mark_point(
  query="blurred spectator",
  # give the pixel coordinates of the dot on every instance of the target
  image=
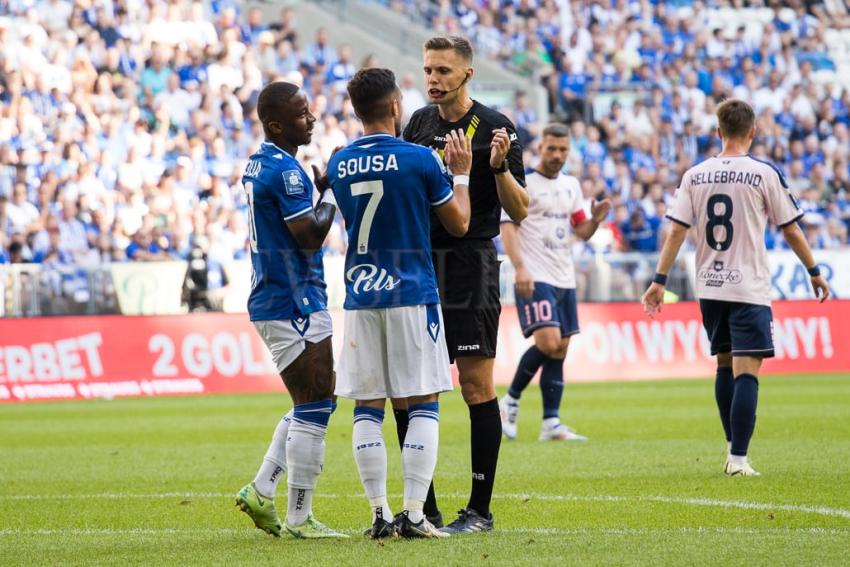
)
(144, 248)
(124, 127)
(640, 231)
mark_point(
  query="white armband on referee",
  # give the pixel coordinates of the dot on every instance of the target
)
(328, 197)
(461, 180)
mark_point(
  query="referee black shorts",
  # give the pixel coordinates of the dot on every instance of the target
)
(468, 278)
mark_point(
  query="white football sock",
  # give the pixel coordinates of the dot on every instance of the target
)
(305, 453)
(370, 454)
(551, 422)
(299, 505)
(274, 463)
(739, 460)
(419, 457)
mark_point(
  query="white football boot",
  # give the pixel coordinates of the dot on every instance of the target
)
(736, 467)
(509, 410)
(559, 432)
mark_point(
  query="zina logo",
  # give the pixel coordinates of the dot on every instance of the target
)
(366, 277)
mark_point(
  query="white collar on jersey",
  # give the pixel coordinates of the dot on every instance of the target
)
(378, 135)
(275, 146)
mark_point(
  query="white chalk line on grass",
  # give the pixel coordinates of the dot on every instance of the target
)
(158, 532)
(708, 502)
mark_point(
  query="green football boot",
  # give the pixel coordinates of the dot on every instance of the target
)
(313, 529)
(260, 508)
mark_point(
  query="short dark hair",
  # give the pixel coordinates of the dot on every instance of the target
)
(370, 90)
(735, 118)
(272, 99)
(459, 45)
(557, 130)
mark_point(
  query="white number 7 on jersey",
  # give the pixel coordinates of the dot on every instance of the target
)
(375, 190)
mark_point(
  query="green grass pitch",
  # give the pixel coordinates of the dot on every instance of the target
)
(151, 482)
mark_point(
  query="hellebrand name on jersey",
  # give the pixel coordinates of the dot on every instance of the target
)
(367, 277)
(723, 176)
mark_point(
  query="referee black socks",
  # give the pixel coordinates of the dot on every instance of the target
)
(486, 438)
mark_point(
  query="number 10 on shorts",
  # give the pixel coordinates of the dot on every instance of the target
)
(542, 311)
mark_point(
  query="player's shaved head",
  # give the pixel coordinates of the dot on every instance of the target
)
(735, 118)
(459, 45)
(273, 98)
(372, 92)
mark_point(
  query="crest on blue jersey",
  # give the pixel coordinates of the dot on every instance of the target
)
(433, 319)
(293, 181)
(301, 324)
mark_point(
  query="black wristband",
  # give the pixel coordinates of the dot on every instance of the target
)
(814, 271)
(502, 169)
(660, 279)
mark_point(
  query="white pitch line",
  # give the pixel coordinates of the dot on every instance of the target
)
(142, 532)
(708, 502)
(741, 504)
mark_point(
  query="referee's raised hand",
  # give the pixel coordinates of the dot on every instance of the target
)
(458, 152)
(499, 146)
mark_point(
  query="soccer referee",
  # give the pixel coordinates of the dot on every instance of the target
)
(467, 268)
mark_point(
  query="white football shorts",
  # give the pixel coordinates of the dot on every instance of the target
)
(395, 352)
(286, 339)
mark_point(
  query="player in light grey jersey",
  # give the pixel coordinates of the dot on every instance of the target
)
(540, 249)
(728, 200)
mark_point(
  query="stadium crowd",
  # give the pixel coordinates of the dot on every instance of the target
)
(125, 125)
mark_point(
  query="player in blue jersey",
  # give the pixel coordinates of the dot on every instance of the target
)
(288, 307)
(394, 345)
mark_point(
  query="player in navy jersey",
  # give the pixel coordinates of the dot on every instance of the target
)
(468, 267)
(394, 344)
(288, 307)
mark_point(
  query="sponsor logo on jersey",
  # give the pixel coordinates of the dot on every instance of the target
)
(718, 275)
(294, 183)
(367, 277)
(467, 348)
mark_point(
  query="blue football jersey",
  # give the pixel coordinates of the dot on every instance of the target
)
(286, 283)
(385, 189)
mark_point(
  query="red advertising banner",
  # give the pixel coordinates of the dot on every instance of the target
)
(111, 356)
(619, 342)
(114, 356)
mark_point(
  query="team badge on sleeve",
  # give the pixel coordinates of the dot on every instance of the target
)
(294, 182)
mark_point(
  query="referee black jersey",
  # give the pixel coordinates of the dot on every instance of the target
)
(427, 128)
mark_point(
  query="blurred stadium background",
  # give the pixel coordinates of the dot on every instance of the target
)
(125, 126)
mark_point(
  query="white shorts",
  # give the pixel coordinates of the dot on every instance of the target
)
(286, 339)
(393, 353)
